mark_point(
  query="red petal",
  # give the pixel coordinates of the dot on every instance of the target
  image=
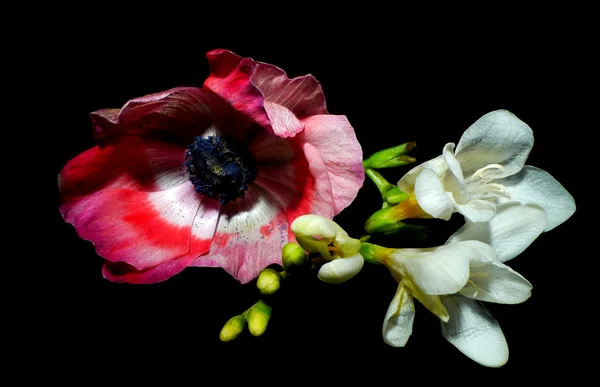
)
(176, 115)
(141, 229)
(264, 92)
(334, 139)
(203, 229)
(250, 235)
(302, 95)
(130, 162)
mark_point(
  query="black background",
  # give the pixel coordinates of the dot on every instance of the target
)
(425, 83)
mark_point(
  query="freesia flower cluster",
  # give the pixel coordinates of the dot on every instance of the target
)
(246, 173)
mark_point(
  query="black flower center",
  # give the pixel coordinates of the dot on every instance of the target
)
(220, 168)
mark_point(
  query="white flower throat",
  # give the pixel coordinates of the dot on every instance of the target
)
(480, 184)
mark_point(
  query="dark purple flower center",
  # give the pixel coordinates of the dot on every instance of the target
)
(220, 168)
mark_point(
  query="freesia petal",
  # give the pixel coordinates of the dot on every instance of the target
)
(302, 95)
(454, 181)
(335, 141)
(440, 270)
(498, 137)
(341, 269)
(131, 162)
(536, 186)
(141, 229)
(250, 235)
(399, 318)
(407, 182)
(475, 210)
(495, 282)
(474, 331)
(175, 115)
(432, 196)
(510, 232)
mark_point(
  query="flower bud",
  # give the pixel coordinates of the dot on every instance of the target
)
(258, 318)
(391, 157)
(394, 195)
(293, 256)
(268, 281)
(232, 328)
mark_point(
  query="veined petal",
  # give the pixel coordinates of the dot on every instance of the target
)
(431, 195)
(474, 331)
(249, 237)
(335, 141)
(440, 270)
(264, 92)
(510, 232)
(301, 95)
(498, 137)
(202, 232)
(341, 269)
(399, 318)
(175, 115)
(141, 229)
(407, 182)
(475, 210)
(301, 188)
(495, 282)
(536, 186)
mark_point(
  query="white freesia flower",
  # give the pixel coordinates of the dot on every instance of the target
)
(487, 168)
(431, 273)
(467, 324)
(317, 234)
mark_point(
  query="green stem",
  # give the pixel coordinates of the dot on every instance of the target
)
(382, 184)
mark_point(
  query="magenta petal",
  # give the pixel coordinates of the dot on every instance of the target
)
(303, 96)
(334, 139)
(202, 232)
(250, 235)
(141, 229)
(131, 162)
(264, 92)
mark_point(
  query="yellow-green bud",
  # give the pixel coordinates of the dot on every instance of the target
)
(391, 157)
(232, 328)
(268, 281)
(292, 256)
(258, 318)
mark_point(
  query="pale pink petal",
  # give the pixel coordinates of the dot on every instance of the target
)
(334, 139)
(250, 235)
(142, 229)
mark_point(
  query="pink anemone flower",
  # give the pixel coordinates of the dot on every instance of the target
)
(210, 176)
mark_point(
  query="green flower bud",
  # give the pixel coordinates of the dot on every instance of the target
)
(232, 328)
(394, 195)
(258, 318)
(268, 281)
(391, 157)
(293, 256)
